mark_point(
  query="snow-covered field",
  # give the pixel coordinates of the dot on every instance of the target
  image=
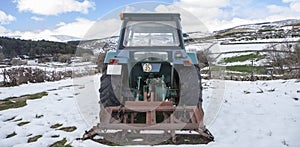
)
(260, 113)
(219, 51)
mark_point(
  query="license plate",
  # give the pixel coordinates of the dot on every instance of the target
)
(114, 70)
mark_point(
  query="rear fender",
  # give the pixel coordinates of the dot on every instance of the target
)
(193, 57)
(187, 56)
(109, 55)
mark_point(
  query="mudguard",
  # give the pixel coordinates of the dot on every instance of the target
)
(109, 55)
(193, 57)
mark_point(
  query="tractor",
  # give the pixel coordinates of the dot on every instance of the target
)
(150, 90)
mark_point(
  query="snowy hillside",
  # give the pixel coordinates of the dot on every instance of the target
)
(100, 45)
(261, 113)
(264, 25)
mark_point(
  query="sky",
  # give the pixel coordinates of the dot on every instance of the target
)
(39, 19)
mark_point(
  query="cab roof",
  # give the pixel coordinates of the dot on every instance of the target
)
(150, 16)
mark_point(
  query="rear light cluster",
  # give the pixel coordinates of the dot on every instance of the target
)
(187, 62)
(113, 61)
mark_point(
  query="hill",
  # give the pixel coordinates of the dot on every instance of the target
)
(266, 30)
(11, 47)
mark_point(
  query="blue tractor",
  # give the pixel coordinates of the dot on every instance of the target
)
(151, 83)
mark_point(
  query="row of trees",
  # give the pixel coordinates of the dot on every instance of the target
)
(10, 47)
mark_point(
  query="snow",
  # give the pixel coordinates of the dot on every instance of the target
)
(253, 45)
(57, 107)
(241, 47)
(235, 118)
(31, 88)
(258, 119)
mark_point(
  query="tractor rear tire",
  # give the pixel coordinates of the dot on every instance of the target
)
(200, 82)
(190, 85)
(107, 95)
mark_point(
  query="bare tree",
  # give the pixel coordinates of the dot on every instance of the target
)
(284, 59)
(65, 58)
(17, 62)
(86, 57)
(203, 57)
(297, 50)
(100, 61)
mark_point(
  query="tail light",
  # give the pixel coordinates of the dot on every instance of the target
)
(113, 61)
(187, 62)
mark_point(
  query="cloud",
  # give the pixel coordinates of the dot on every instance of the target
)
(276, 9)
(53, 7)
(206, 9)
(6, 18)
(2, 30)
(80, 28)
(221, 14)
(36, 18)
(196, 16)
(77, 29)
(189, 21)
(288, 1)
(129, 9)
(203, 4)
(104, 28)
(295, 6)
(291, 11)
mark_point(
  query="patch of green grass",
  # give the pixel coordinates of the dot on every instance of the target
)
(68, 129)
(56, 126)
(246, 68)
(217, 68)
(16, 102)
(34, 138)
(61, 143)
(240, 58)
(36, 95)
(12, 104)
(11, 135)
(23, 123)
